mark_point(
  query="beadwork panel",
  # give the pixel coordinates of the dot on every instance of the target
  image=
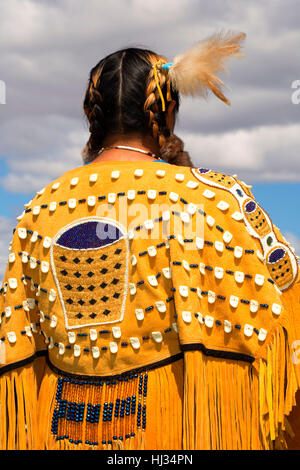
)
(90, 271)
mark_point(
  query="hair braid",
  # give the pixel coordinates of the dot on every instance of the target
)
(153, 109)
(171, 146)
(92, 107)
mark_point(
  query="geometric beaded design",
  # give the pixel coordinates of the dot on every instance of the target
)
(99, 412)
(223, 180)
(91, 279)
(256, 217)
(280, 266)
(280, 260)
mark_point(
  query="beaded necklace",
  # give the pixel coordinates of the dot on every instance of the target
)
(123, 147)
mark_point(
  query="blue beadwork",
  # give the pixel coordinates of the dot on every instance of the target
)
(84, 235)
(78, 412)
(276, 255)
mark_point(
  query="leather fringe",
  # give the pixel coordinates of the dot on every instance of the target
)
(18, 420)
(232, 405)
(162, 430)
(278, 387)
(199, 402)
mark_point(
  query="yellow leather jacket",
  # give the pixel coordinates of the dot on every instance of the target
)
(148, 306)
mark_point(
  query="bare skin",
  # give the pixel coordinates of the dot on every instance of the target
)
(135, 140)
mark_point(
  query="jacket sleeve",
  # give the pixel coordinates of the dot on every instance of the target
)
(291, 300)
(236, 292)
(21, 348)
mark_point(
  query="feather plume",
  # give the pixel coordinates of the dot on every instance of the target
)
(194, 71)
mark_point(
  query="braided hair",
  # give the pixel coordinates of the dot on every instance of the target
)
(122, 96)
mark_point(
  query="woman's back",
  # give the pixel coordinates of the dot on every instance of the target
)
(120, 270)
(147, 305)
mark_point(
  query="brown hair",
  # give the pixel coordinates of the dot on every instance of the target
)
(122, 96)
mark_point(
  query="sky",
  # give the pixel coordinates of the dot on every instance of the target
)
(47, 48)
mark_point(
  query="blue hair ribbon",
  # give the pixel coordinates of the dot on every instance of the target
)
(167, 66)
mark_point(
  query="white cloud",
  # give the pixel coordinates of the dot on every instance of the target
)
(49, 46)
(268, 153)
(46, 62)
(294, 241)
(6, 228)
(34, 162)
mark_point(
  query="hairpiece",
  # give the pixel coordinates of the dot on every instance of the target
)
(194, 71)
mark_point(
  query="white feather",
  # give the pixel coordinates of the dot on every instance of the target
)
(194, 71)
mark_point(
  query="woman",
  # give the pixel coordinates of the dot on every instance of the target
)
(147, 306)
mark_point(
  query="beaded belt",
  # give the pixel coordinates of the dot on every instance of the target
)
(100, 412)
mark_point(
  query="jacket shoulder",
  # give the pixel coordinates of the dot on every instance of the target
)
(218, 179)
(274, 250)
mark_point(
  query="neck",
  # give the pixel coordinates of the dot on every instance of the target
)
(138, 141)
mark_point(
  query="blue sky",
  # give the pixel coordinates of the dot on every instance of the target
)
(12, 204)
(281, 201)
